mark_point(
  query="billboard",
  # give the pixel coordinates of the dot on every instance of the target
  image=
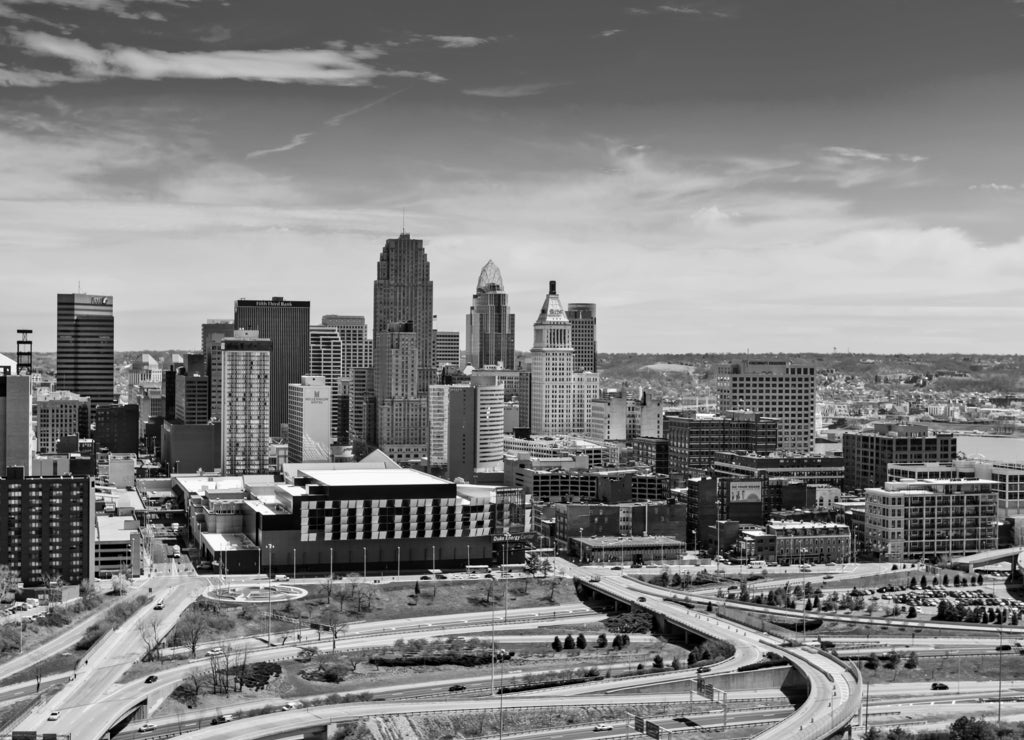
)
(744, 492)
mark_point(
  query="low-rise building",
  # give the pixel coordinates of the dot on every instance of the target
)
(627, 550)
(795, 543)
(868, 453)
(811, 469)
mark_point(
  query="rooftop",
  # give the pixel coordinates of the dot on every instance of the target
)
(227, 542)
(360, 476)
(629, 541)
(115, 529)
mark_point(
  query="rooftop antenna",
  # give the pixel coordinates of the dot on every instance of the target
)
(403, 221)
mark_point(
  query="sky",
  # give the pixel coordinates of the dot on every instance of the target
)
(717, 176)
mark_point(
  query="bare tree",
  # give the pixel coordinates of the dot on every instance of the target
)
(7, 580)
(329, 587)
(191, 628)
(194, 683)
(488, 591)
(149, 631)
(241, 665)
(334, 620)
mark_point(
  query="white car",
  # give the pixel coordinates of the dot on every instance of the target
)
(147, 727)
(53, 716)
(602, 726)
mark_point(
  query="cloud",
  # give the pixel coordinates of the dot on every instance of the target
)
(852, 166)
(215, 34)
(460, 42)
(338, 65)
(297, 140)
(686, 10)
(609, 33)
(120, 8)
(510, 91)
(336, 120)
(992, 186)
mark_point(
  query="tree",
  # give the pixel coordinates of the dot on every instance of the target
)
(658, 662)
(581, 642)
(149, 631)
(912, 612)
(873, 733)
(677, 580)
(544, 567)
(676, 663)
(334, 619)
(945, 579)
(913, 582)
(872, 662)
(7, 580)
(416, 588)
(191, 628)
(616, 642)
(602, 640)
(569, 643)
(911, 662)
(971, 728)
(981, 579)
(556, 644)
(663, 578)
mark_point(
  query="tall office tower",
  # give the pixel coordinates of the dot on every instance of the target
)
(117, 427)
(476, 420)
(586, 388)
(191, 399)
(777, 388)
(583, 318)
(214, 331)
(61, 414)
(16, 422)
(362, 408)
(446, 349)
(85, 346)
(438, 411)
(309, 420)
(49, 527)
(403, 293)
(552, 358)
(490, 328)
(402, 411)
(245, 389)
(286, 325)
(25, 352)
(336, 348)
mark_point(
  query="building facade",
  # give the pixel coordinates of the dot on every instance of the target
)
(490, 326)
(552, 362)
(825, 469)
(213, 333)
(117, 427)
(476, 415)
(777, 388)
(936, 520)
(693, 440)
(403, 412)
(868, 453)
(49, 527)
(1007, 479)
(58, 415)
(246, 397)
(446, 349)
(310, 406)
(583, 320)
(85, 346)
(286, 325)
(336, 348)
(16, 422)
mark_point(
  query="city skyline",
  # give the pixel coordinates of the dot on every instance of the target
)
(785, 176)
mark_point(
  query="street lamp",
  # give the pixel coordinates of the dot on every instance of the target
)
(270, 562)
(399, 561)
(999, 698)
(581, 544)
(433, 557)
(293, 563)
(364, 563)
(332, 564)
(467, 556)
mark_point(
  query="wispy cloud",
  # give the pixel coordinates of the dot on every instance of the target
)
(510, 91)
(609, 33)
(992, 186)
(851, 166)
(300, 139)
(120, 8)
(684, 9)
(337, 65)
(460, 42)
(215, 34)
(297, 140)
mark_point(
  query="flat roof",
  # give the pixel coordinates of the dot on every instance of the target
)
(115, 528)
(227, 542)
(376, 477)
(628, 541)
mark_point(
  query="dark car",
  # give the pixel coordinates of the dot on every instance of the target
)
(424, 578)
(704, 669)
(642, 598)
(489, 575)
(457, 687)
(442, 577)
(939, 686)
(150, 679)
(616, 567)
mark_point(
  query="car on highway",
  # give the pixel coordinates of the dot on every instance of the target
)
(221, 719)
(54, 716)
(424, 578)
(147, 727)
(601, 727)
(150, 679)
(457, 687)
(215, 651)
(939, 686)
(704, 669)
(642, 598)
(616, 567)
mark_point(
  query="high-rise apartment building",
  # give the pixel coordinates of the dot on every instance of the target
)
(191, 399)
(868, 453)
(936, 520)
(286, 325)
(694, 440)
(490, 326)
(214, 331)
(16, 422)
(551, 364)
(49, 530)
(85, 346)
(777, 388)
(403, 293)
(625, 418)
(586, 388)
(246, 393)
(583, 319)
(61, 414)
(362, 407)
(446, 349)
(309, 420)
(117, 427)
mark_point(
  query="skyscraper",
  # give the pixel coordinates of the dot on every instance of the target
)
(286, 325)
(403, 293)
(476, 416)
(16, 422)
(777, 388)
(214, 331)
(403, 347)
(551, 378)
(490, 327)
(245, 389)
(336, 348)
(85, 346)
(583, 318)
